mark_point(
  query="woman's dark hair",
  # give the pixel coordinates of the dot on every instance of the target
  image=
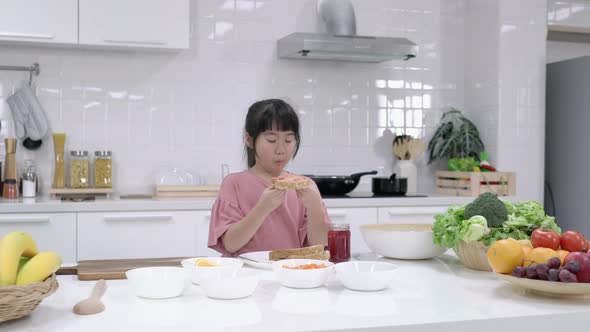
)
(266, 115)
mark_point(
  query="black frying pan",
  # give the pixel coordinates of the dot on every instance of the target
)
(337, 184)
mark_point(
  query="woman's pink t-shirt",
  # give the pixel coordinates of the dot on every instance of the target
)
(284, 228)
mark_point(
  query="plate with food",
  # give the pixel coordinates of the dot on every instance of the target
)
(264, 259)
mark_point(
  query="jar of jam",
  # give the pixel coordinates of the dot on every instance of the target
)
(339, 242)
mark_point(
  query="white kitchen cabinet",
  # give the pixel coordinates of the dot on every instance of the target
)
(137, 234)
(50, 231)
(39, 21)
(355, 217)
(135, 23)
(202, 236)
(409, 214)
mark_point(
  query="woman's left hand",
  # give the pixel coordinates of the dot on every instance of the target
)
(309, 197)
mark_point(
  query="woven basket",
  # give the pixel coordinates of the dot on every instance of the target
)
(473, 255)
(19, 301)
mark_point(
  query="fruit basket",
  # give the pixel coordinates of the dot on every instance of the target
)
(20, 301)
(473, 255)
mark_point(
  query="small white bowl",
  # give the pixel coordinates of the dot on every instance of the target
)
(157, 282)
(195, 273)
(228, 285)
(294, 278)
(365, 275)
(401, 241)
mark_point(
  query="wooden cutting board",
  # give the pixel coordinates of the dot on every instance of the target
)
(116, 268)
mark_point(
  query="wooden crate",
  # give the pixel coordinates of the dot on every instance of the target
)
(475, 183)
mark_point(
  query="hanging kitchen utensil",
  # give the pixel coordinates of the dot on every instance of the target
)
(337, 184)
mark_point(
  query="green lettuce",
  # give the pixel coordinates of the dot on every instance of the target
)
(473, 229)
(450, 227)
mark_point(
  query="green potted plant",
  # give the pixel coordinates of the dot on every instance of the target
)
(456, 139)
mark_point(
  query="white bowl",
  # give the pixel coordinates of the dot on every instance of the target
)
(195, 273)
(227, 285)
(293, 278)
(365, 275)
(401, 241)
(158, 282)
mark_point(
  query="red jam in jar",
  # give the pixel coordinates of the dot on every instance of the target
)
(339, 242)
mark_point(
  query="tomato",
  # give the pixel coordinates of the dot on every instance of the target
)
(545, 238)
(573, 241)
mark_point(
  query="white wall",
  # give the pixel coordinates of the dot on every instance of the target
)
(160, 110)
(505, 85)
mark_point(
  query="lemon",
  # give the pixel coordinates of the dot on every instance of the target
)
(204, 262)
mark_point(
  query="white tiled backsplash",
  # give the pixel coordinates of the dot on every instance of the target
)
(161, 110)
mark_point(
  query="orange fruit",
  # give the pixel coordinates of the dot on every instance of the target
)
(562, 254)
(526, 250)
(505, 255)
(539, 255)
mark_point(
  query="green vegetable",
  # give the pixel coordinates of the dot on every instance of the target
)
(490, 207)
(522, 219)
(473, 229)
(446, 226)
(462, 164)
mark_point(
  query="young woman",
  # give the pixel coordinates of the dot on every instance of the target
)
(249, 213)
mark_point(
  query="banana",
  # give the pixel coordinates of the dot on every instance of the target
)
(21, 262)
(13, 246)
(38, 268)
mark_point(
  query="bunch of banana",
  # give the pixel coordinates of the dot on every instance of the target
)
(21, 263)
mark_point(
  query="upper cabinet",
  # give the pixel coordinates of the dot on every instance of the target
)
(135, 23)
(39, 21)
(155, 24)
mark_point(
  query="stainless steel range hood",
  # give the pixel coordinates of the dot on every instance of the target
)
(341, 43)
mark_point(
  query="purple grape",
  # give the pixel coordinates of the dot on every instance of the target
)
(572, 266)
(567, 276)
(531, 272)
(554, 263)
(553, 275)
(519, 272)
(542, 270)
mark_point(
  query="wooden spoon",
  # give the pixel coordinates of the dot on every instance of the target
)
(92, 305)
(416, 147)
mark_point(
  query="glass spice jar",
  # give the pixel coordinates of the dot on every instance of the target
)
(10, 189)
(339, 242)
(79, 169)
(103, 169)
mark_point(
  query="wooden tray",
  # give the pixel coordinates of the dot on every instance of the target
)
(79, 192)
(116, 268)
(548, 287)
(167, 191)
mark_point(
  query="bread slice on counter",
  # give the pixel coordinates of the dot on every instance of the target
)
(290, 181)
(312, 252)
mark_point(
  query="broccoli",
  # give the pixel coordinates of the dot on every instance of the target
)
(490, 207)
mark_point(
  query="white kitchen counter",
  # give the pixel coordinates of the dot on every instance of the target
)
(432, 295)
(47, 205)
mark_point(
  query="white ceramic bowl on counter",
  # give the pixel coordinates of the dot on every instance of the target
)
(287, 274)
(158, 282)
(227, 285)
(401, 241)
(365, 275)
(224, 264)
